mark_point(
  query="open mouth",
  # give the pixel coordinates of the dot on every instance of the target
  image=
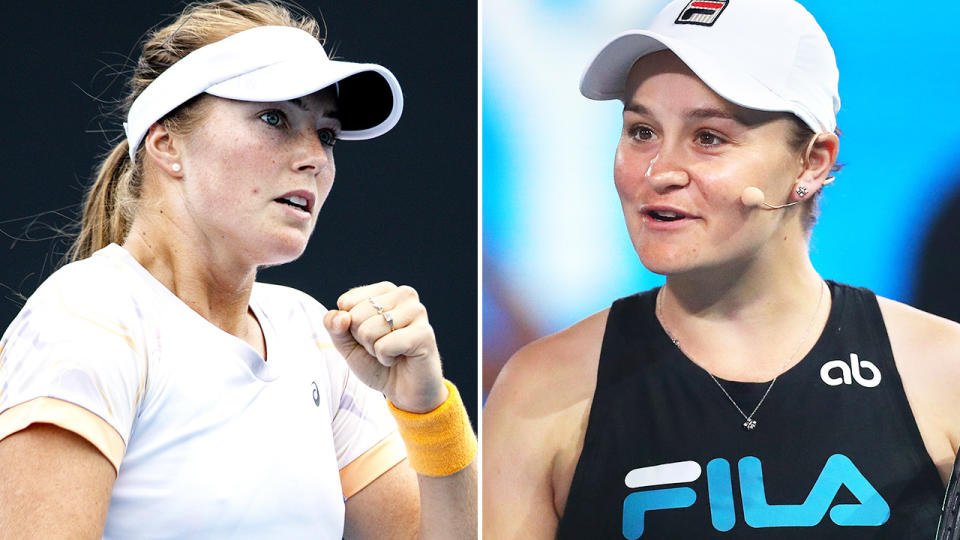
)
(665, 215)
(295, 201)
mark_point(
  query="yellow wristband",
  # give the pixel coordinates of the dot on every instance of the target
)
(439, 442)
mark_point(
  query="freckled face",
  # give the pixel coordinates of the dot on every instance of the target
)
(256, 175)
(684, 157)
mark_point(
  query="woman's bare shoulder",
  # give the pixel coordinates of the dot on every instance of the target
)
(533, 426)
(564, 363)
(920, 334)
(926, 350)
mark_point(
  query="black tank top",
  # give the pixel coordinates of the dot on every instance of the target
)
(836, 453)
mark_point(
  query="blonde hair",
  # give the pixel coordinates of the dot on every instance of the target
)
(111, 202)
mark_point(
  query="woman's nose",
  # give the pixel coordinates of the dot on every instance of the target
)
(312, 153)
(663, 174)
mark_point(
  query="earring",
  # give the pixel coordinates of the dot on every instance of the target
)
(801, 191)
(175, 167)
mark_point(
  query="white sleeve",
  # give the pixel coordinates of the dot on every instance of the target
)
(365, 435)
(72, 359)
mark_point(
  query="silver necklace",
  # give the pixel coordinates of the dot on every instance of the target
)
(749, 423)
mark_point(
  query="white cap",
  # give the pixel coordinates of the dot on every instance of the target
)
(271, 63)
(769, 55)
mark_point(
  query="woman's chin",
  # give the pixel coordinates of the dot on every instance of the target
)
(281, 251)
(665, 261)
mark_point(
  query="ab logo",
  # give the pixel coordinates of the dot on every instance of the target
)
(850, 371)
(839, 471)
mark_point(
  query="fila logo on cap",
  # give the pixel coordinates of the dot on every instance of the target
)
(701, 12)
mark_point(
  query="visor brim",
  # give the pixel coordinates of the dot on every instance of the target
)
(369, 99)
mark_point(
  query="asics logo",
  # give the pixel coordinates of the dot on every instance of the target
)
(837, 372)
(316, 395)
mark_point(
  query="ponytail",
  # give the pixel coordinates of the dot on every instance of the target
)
(109, 204)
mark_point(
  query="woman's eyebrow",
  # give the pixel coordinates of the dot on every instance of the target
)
(695, 114)
(635, 107)
(299, 103)
(745, 117)
(699, 113)
(710, 112)
(332, 113)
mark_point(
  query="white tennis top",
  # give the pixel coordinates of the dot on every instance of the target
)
(210, 441)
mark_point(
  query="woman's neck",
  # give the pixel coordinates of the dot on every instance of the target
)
(208, 280)
(748, 321)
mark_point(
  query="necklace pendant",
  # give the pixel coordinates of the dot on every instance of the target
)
(750, 424)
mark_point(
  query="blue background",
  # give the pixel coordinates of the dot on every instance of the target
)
(554, 245)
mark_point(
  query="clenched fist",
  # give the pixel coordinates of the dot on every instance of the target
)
(383, 332)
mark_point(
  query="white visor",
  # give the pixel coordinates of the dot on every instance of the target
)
(271, 63)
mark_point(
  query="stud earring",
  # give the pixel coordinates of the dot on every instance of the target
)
(801, 191)
(175, 167)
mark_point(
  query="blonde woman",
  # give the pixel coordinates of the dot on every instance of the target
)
(154, 388)
(747, 397)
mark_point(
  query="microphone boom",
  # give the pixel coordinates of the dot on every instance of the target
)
(753, 197)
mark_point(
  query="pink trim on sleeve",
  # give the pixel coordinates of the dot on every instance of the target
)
(371, 464)
(71, 417)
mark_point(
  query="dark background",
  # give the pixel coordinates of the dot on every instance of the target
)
(403, 207)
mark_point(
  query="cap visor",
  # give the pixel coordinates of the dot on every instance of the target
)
(606, 76)
(369, 97)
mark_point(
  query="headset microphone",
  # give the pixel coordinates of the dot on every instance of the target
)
(753, 197)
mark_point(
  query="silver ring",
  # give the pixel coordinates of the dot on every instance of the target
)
(389, 318)
(376, 306)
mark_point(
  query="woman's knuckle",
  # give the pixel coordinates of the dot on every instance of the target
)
(409, 292)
